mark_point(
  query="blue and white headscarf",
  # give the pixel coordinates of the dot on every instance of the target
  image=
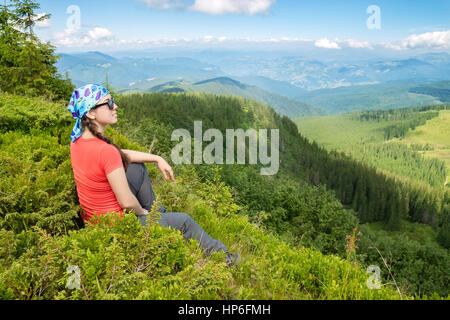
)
(84, 99)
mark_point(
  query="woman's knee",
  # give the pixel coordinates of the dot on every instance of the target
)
(135, 172)
(176, 220)
(187, 220)
(183, 220)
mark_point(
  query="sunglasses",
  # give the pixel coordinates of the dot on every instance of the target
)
(110, 104)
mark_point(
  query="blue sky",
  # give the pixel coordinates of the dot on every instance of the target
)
(327, 24)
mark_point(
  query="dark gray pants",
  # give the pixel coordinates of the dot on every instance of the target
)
(141, 187)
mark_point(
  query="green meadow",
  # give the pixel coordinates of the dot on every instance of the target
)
(436, 132)
(339, 131)
(364, 141)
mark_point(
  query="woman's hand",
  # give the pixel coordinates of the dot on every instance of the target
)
(142, 157)
(143, 213)
(165, 169)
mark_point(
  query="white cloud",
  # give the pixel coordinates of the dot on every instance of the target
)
(101, 37)
(208, 39)
(327, 44)
(287, 39)
(392, 46)
(437, 39)
(430, 40)
(352, 43)
(65, 38)
(99, 33)
(232, 6)
(77, 38)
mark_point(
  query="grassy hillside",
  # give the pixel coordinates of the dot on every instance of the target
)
(41, 235)
(365, 141)
(339, 131)
(362, 136)
(303, 203)
(436, 135)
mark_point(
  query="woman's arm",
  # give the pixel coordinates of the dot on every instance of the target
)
(127, 200)
(142, 157)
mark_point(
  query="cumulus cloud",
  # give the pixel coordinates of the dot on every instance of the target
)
(102, 37)
(352, 43)
(78, 38)
(392, 46)
(338, 44)
(208, 39)
(438, 39)
(327, 44)
(232, 6)
(288, 39)
(99, 33)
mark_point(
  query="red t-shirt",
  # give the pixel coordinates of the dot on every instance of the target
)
(92, 160)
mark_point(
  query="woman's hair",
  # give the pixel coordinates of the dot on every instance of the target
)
(87, 123)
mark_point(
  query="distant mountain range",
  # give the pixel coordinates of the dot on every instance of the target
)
(175, 75)
(228, 86)
(439, 90)
(294, 86)
(123, 73)
(311, 74)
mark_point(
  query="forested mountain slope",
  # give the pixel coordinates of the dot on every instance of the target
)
(289, 204)
(228, 86)
(41, 235)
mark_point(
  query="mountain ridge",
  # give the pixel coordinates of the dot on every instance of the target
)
(226, 85)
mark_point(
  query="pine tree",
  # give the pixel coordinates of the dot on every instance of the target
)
(394, 218)
(26, 17)
(27, 64)
(403, 204)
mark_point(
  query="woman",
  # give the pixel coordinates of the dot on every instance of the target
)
(109, 179)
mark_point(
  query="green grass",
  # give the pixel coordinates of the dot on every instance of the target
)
(339, 132)
(435, 132)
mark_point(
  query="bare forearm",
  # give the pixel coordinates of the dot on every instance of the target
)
(141, 157)
(133, 204)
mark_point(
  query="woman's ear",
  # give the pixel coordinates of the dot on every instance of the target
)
(90, 115)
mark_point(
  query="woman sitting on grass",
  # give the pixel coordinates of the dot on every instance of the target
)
(109, 179)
